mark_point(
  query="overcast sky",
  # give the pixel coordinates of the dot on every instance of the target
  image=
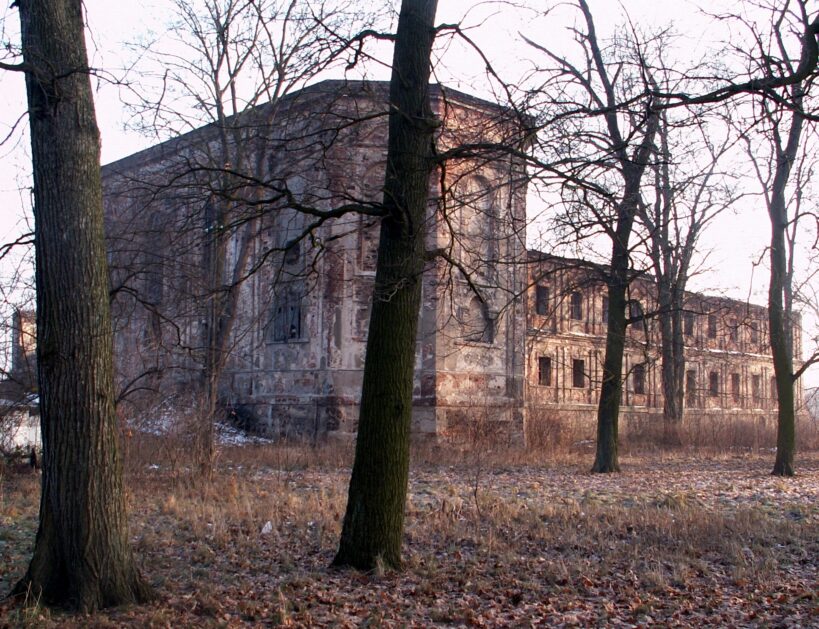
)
(734, 241)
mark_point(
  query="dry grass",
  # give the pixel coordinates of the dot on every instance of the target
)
(491, 539)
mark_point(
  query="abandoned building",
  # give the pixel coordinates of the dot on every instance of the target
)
(506, 335)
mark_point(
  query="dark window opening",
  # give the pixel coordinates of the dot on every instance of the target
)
(576, 310)
(774, 390)
(635, 310)
(578, 373)
(542, 300)
(735, 387)
(638, 378)
(544, 371)
(688, 324)
(712, 326)
(713, 384)
(605, 309)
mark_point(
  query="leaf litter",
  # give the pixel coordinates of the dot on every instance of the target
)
(671, 542)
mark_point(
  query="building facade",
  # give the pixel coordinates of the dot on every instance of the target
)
(728, 366)
(506, 335)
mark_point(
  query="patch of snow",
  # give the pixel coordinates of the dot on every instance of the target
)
(227, 435)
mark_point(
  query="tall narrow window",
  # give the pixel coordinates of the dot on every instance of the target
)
(756, 387)
(774, 390)
(733, 331)
(541, 299)
(578, 373)
(605, 315)
(735, 387)
(544, 371)
(712, 326)
(576, 306)
(635, 310)
(691, 386)
(713, 384)
(754, 332)
(638, 379)
(688, 324)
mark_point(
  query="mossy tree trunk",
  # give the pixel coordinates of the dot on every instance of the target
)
(81, 558)
(374, 519)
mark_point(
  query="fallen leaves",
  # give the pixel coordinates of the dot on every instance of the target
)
(671, 543)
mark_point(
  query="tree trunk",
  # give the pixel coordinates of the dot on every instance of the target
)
(608, 409)
(673, 359)
(781, 348)
(779, 320)
(374, 520)
(81, 555)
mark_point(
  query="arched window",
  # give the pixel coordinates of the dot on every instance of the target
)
(476, 238)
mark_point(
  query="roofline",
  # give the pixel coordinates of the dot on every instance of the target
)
(535, 255)
(157, 152)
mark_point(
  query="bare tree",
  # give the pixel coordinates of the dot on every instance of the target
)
(374, 519)
(781, 169)
(690, 190)
(82, 558)
(600, 133)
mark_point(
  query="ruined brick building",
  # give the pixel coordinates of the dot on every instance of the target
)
(506, 335)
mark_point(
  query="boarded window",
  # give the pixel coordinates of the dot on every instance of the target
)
(544, 371)
(713, 384)
(286, 320)
(638, 379)
(712, 326)
(541, 300)
(735, 387)
(578, 373)
(576, 306)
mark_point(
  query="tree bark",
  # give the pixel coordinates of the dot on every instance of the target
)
(374, 519)
(779, 289)
(81, 555)
(673, 358)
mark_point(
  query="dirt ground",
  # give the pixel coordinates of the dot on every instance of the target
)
(673, 540)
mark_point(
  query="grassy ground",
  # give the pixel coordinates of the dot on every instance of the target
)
(510, 541)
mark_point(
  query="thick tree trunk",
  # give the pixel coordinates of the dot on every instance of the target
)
(374, 520)
(81, 556)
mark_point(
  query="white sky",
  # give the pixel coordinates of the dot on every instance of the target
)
(734, 240)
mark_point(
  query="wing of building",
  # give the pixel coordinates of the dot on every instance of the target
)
(276, 215)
